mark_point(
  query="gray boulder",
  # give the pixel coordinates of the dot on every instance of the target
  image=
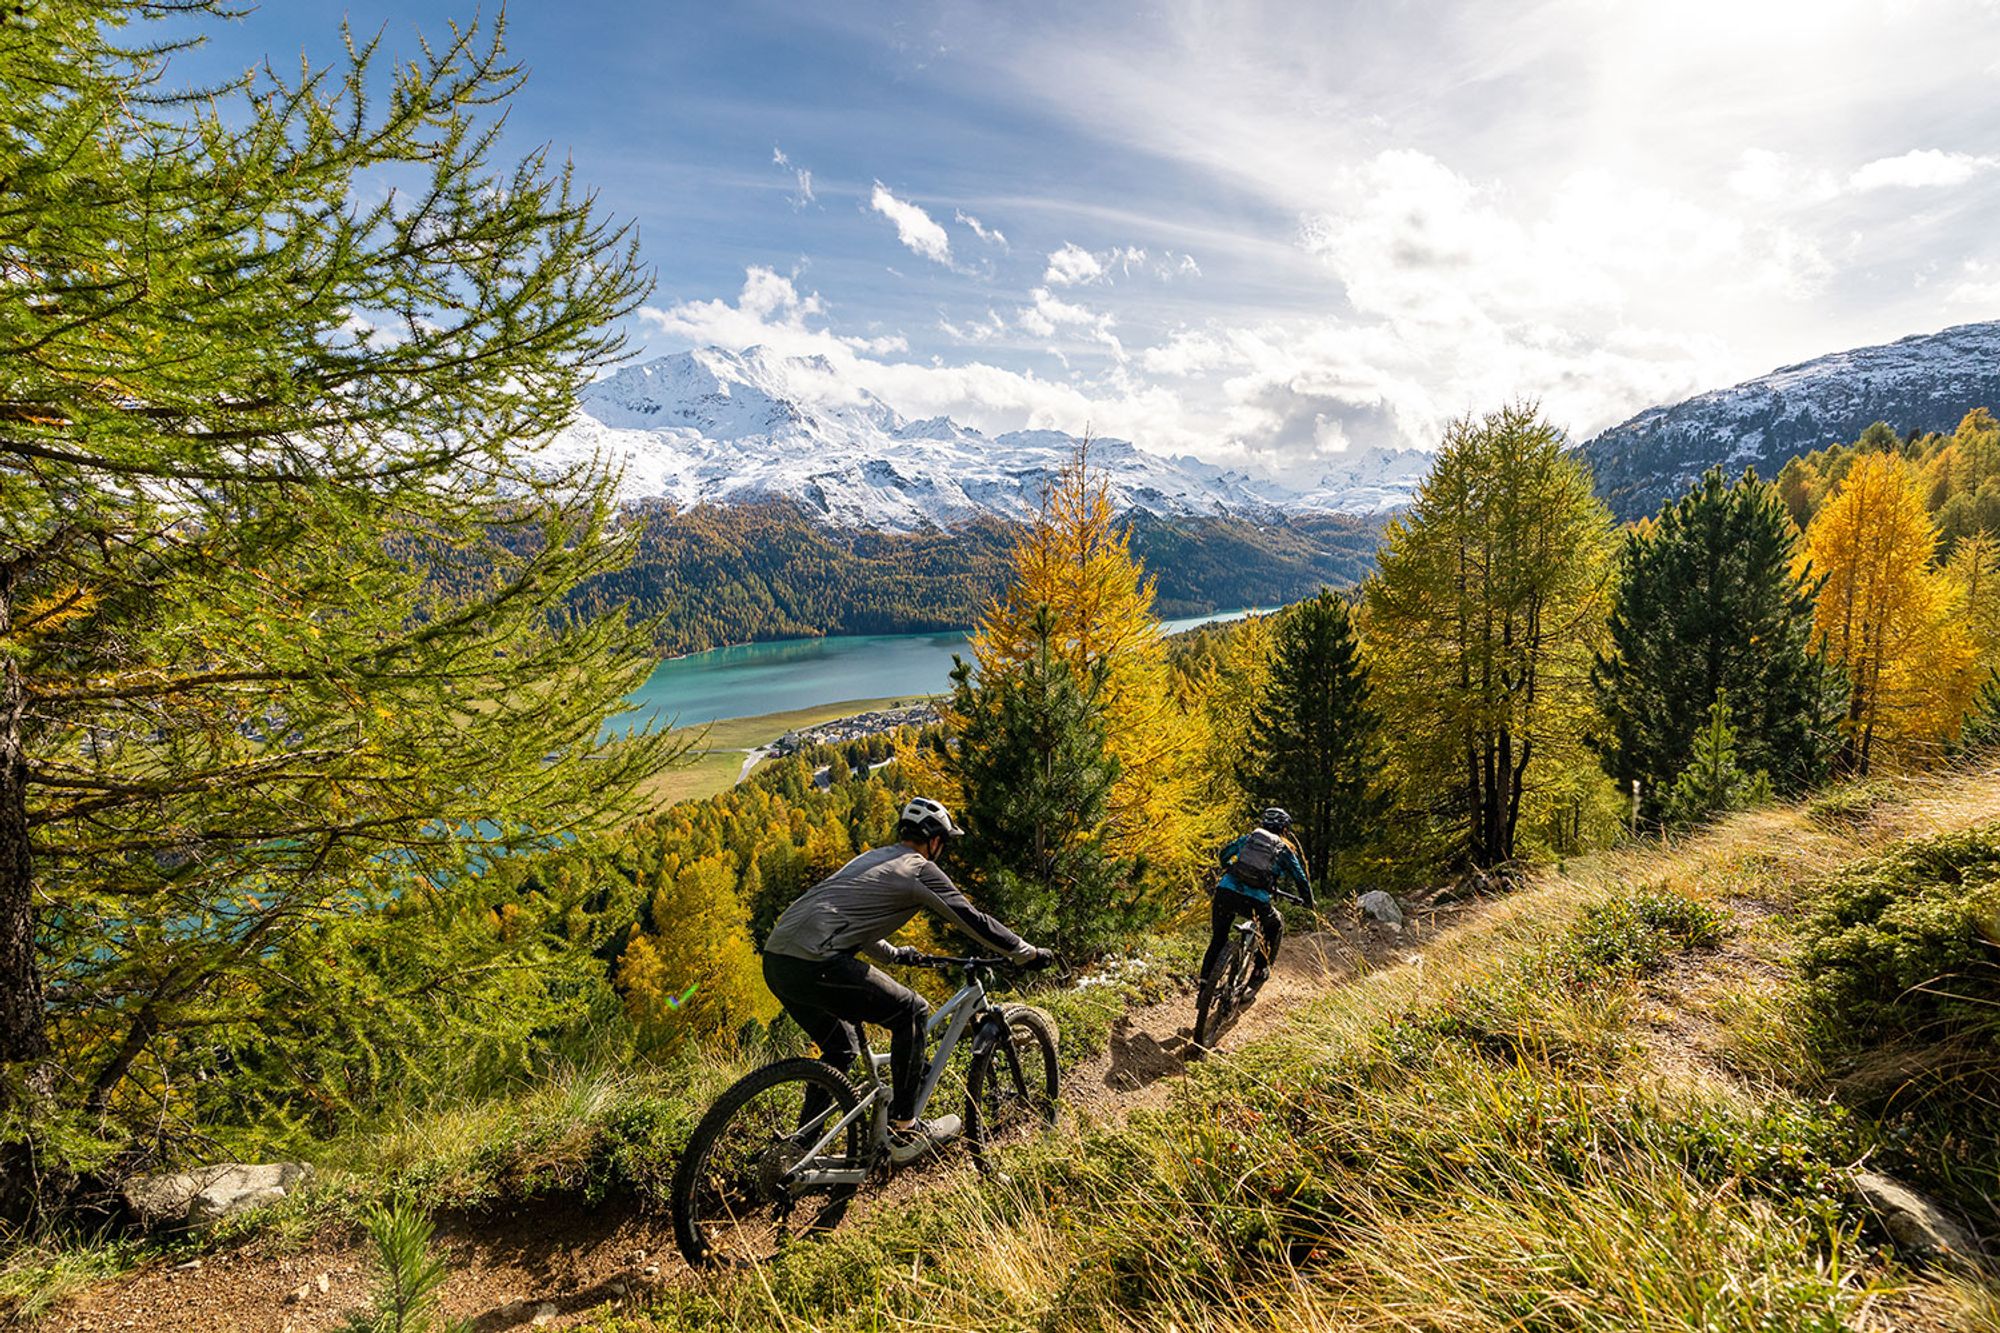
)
(208, 1194)
(1924, 1232)
(1381, 907)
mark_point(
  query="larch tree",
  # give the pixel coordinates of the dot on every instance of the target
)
(695, 973)
(1884, 614)
(283, 632)
(1487, 608)
(1709, 597)
(1972, 578)
(1075, 564)
(1223, 689)
(1310, 745)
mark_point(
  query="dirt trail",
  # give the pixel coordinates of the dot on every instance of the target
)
(1149, 1046)
(563, 1263)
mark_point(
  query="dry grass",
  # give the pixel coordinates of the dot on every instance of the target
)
(1506, 1133)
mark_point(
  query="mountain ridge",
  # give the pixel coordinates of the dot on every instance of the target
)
(1924, 381)
(711, 426)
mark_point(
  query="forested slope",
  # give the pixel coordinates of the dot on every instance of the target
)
(767, 571)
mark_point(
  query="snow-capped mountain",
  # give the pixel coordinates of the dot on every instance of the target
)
(1369, 481)
(1926, 382)
(714, 426)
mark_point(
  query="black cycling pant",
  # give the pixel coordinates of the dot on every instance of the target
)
(1230, 905)
(829, 998)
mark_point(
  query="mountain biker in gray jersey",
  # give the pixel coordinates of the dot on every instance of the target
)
(1252, 866)
(810, 961)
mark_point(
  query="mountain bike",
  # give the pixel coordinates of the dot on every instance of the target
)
(1226, 989)
(782, 1152)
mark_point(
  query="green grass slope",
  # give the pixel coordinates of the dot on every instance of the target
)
(1631, 1095)
(1614, 1102)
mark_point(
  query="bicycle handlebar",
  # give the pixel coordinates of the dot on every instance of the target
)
(941, 961)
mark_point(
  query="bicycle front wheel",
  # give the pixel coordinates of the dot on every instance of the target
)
(737, 1195)
(1010, 1090)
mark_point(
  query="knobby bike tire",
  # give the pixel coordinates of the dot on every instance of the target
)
(1010, 1090)
(718, 1197)
(1218, 994)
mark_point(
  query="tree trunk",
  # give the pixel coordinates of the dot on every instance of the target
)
(22, 1035)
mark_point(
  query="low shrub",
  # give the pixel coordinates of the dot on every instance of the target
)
(1899, 964)
(1907, 945)
(1633, 935)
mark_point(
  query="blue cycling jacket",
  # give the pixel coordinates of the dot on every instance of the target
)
(1288, 867)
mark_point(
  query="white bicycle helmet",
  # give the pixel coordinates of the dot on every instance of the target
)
(927, 819)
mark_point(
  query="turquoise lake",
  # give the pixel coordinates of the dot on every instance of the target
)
(756, 678)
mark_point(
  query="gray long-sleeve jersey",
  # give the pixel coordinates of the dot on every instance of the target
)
(857, 907)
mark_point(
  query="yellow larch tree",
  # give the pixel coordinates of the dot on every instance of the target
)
(1223, 689)
(1973, 577)
(1886, 614)
(1076, 560)
(696, 975)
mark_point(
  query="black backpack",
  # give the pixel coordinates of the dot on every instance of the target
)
(1257, 860)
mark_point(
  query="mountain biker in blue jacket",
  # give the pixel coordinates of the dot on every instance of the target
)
(1252, 866)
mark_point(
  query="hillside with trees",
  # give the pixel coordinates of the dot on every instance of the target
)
(313, 853)
(768, 571)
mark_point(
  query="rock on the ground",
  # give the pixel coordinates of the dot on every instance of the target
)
(1382, 907)
(210, 1193)
(545, 1314)
(1922, 1230)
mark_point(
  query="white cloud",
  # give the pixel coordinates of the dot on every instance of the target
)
(1050, 315)
(1979, 289)
(1075, 266)
(914, 228)
(1920, 168)
(987, 329)
(1464, 295)
(770, 311)
(1187, 352)
(802, 193)
(1072, 264)
(1596, 236)
(990, 235)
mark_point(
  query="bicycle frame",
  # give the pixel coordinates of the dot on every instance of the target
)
(954, 1016)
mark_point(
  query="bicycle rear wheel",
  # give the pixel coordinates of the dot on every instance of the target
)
(732, 1203)
(1010, 1090)
(1221, 992)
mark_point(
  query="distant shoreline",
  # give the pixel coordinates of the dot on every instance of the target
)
(1204, 617)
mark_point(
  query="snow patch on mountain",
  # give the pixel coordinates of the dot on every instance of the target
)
(1925, 382)
(722, 427)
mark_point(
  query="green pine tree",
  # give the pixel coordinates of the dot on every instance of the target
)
(1707, 601)
(1714, 782)
(1311, 742)
(1037, 780)
(283, 632)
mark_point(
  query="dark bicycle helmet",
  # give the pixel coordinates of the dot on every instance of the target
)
(925, 818)
(1275, 819)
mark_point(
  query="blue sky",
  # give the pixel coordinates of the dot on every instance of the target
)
(1272, 234)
